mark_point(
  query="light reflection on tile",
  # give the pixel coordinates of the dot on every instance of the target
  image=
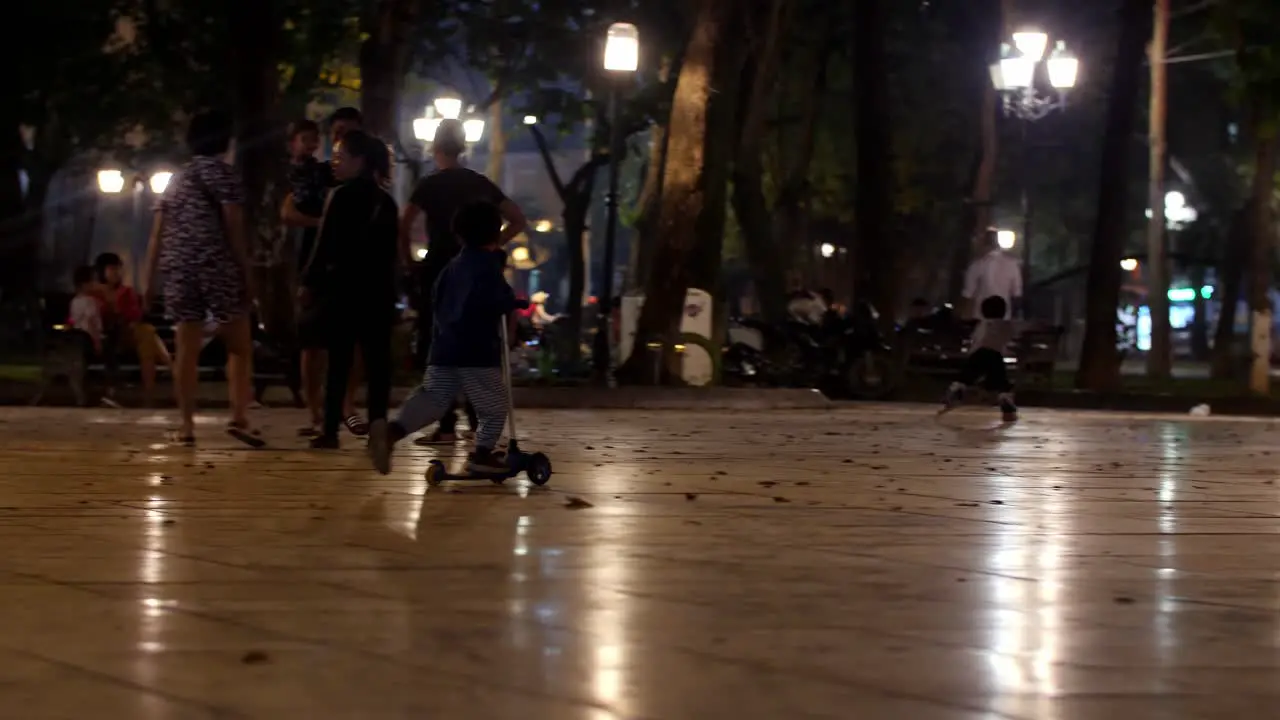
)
(864, 563)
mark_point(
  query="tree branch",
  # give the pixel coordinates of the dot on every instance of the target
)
(547, 160)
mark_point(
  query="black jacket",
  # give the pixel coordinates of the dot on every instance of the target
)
(353, 265)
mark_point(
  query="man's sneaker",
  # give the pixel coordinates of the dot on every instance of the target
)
(380, 446)
(487, 461)
(953, 398)
(436, 438)
(1008, 409)
(325, 442)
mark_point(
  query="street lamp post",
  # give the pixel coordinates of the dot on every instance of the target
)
(444, 108)
(621, 57)
(1015, 79)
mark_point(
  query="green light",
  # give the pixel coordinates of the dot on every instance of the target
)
(1181, 294)
(1206, 292)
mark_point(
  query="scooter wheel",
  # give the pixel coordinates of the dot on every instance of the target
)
(435, 473)
(538, 469)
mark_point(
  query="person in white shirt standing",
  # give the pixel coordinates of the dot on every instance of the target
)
(997, 274)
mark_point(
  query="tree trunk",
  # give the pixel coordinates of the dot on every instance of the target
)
(1261, 255)
(1160, 358)
(384, 59)
(873, 273)
(644, 240)
(978, 217)
(683, 193)
(791, 212)
(757, 85)
(1099, 361)
(256, 93)
(496, 163)
(1230, 282)
(576, 208)
(1200, 321)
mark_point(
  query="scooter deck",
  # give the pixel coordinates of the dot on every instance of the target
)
(535, 466)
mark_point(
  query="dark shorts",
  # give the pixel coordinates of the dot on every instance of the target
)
(312, 334)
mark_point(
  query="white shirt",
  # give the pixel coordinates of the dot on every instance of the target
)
(993, 335)
(85, 316)
(996, 273)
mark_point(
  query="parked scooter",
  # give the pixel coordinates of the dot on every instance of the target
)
(842, 355)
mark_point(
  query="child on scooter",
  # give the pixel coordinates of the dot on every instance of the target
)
(470, 298)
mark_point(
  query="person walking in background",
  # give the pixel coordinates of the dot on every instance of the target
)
(995, 273)
(124, 327)
(349, 283)
(439, 196)
(471, 299)
(198, 243)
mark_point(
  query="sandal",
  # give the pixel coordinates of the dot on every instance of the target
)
(250, 436)
(357, 425)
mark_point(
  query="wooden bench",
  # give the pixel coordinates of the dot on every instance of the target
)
(66, 357)
(934, 352)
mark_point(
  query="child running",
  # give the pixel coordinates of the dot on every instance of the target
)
(470, 299)
(986, 360)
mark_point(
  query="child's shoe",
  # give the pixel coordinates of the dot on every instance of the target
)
(955, 396)
(1008, 409)
(486, 461)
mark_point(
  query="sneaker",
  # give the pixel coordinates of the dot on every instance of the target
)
(436, 438)
(324, 442)
(953, 398)
(487, 461)
(1008, 410)
(356, 425)
(380, 446)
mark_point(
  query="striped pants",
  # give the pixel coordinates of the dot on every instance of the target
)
(482, 386)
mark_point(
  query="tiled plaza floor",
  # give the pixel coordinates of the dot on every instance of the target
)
(865, 563)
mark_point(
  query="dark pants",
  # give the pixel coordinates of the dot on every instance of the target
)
(988, 366)
(371, 332)
(422, 347)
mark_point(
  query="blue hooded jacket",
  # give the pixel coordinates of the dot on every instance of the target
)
(471, 298)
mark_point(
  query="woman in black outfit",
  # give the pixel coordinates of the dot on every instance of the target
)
(350, 281)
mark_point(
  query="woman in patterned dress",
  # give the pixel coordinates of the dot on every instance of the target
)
(198, 245)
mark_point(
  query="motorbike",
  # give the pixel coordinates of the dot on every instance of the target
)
(842, 355)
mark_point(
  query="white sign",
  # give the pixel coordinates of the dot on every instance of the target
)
(699, 315)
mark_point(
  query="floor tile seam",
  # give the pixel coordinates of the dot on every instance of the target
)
(435, 669)
(121, 682)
